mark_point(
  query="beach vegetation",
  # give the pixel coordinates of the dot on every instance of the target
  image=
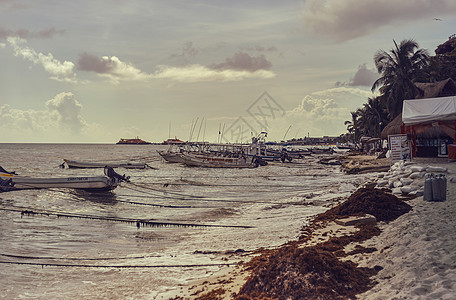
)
(398, 69)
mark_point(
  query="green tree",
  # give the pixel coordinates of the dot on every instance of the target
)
(352, 126)
(398, 69)
(443, 64)
(373, 117)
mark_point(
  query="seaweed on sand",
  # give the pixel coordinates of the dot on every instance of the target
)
(316, 272)
(291, 272)
(384, 206)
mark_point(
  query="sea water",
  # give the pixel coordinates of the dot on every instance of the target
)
(56, 257)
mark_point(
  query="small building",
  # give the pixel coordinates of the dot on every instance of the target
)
(432, 138)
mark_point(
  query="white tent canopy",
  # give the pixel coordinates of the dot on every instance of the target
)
(428, 110)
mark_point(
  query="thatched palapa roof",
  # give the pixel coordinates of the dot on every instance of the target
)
(442, 88)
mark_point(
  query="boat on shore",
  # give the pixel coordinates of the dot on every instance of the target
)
(215, 161)
(9, 182)
(171, 157)
(89, 164)
(135, 141)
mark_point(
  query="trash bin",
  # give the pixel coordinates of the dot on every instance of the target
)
(452, 151)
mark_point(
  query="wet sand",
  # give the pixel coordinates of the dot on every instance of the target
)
(411, 257)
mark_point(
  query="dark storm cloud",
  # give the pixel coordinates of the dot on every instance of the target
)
(362, 77)
(348, 19)
(92, 63)
(242, 61)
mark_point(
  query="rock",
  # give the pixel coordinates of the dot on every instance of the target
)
(397, 184)
(382, 183)
(406, 181)
(396, 191)
(417, 169)
(350, 221)
(346, 187)
(430, 169)
(406, 189)
(416, 193)
(416, 175)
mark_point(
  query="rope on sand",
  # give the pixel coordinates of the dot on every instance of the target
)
(115, 266)
(139, 222)
(73, 258)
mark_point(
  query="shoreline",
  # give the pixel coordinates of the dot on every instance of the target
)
(386, 253)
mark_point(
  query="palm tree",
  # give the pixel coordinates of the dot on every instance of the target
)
(376, 114)
(352, 126)
(398, 69)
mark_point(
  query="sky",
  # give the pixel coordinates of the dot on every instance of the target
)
(97, 71)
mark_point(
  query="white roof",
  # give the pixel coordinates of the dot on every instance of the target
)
(428, 110)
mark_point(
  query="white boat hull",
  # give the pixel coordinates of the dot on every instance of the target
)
(85, 164)
(209, 161)
(100, 183)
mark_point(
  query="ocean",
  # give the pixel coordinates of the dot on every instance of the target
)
(50, 256)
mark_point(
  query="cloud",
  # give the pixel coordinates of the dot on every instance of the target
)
(60, 71)
(348, 19)
(198, 73)
(60, 121)
(25, 34)
(320, 113)
(110, 67)
(68, 111)
(242, 61)
(362, 77)
(238, 67)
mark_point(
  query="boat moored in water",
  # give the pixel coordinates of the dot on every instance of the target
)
(214, 161)
(89, 164)
(109, 182)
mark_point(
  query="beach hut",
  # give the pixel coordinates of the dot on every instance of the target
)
(428, 141)
(419, 115)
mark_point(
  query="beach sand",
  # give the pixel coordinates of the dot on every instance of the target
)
(417, 250)
(413, 255)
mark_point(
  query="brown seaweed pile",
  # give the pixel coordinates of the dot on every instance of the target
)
(384, 206)
(316, 272)
(292, 272)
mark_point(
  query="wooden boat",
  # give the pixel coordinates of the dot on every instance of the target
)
(88, 164)
(171, 157)
(94, 183)
(100, 183)
(214, 161)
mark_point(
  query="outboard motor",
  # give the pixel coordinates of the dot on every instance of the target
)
(109, 171)
(6, 185)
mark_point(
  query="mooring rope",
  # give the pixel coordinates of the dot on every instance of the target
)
(139, 222)
(157, 205)
(165, 192)
(117, 266)
(152, 195)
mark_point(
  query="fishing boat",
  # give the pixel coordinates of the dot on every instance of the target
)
(89, 164)
(215, 161)
(89, 183)
(171, 157)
